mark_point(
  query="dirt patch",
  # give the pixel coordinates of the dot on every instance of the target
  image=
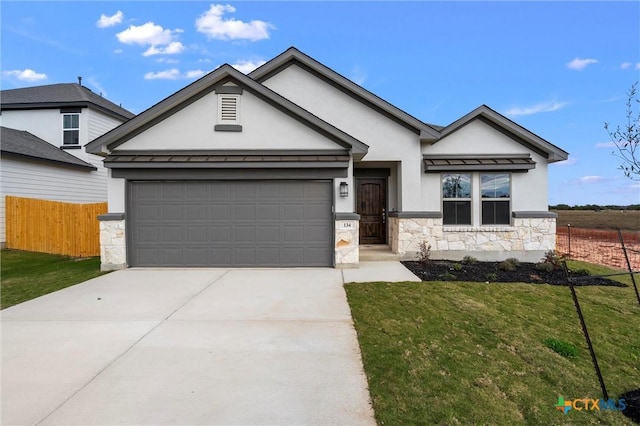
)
(442, 270)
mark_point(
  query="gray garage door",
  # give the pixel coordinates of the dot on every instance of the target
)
(230, 223)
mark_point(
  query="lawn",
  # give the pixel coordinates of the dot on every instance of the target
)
(473, 353)
(27, 275)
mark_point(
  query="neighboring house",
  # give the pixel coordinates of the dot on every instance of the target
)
(295, 165)
(43, 132)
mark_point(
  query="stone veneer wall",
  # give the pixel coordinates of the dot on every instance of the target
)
(346, 243)
(113, 245)
(527, 239)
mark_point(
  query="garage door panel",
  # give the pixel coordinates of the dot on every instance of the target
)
(231, 223)
(171, 212)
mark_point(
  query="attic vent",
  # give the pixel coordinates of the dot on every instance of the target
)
(228, 109)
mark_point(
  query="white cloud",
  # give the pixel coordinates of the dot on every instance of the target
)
(195, 74)
(605, 145)
(172, 48)
(246, 67)
(638, 65)
(568, 162)
(173, 74)
(625, 65)
(537, 108)
(117, 51)
(580, 64)
(25, 75)
(147, 34)
(214, 26)
(167, 61)
(591, 179)
(109, 21)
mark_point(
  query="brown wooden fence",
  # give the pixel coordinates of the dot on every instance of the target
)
(53, 227)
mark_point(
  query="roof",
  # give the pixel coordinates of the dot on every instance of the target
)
(60, 95)
(227, 160)
(294, 56)
(512, 129)
(442, 162)
(191, 93)
(24, 144)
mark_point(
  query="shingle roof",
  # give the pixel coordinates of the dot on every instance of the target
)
(24, 144)
(57, 95)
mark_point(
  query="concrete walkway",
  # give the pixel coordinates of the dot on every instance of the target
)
(196, 346)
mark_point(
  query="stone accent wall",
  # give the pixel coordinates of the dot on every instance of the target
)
(527, 239)
(347, 247)
(113, 246)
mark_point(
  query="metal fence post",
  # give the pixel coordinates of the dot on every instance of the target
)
(569, 238)
(586, 332)
(626, 256)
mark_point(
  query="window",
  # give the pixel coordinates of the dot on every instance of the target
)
(495, 189)
(456, 199)
(70, 129)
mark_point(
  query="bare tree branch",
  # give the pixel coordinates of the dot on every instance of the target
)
(627, 137)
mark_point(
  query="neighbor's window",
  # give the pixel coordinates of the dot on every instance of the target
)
(495, 189)
(71, 129)
(456, 199)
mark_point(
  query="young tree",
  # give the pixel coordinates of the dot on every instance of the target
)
(627, 137)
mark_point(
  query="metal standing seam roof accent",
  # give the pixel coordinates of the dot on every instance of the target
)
(195, 158)
(58, 95)
(25, 144)
(468, 163)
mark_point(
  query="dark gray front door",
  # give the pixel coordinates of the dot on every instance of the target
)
(230, 223)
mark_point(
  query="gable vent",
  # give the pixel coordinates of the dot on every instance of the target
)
(228, 109)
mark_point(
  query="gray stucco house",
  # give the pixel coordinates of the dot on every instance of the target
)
(295, 165)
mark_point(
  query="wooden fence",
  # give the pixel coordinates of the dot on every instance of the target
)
(53, 227)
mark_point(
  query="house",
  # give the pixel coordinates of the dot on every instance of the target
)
(43, 132)
(295, 165)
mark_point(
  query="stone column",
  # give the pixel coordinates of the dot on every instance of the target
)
(347, 235)
(113, 244)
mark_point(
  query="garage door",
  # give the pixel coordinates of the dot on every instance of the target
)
(230, 223)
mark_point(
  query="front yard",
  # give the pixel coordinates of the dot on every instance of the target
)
(27, 275)
(473, 353)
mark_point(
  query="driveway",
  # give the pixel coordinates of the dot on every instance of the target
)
(197, 346)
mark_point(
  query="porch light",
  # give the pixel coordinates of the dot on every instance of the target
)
(344, 189)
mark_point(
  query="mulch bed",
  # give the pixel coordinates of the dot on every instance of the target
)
(442, 270)
(632, 401)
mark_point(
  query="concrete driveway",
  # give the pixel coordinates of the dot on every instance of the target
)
(197, 346)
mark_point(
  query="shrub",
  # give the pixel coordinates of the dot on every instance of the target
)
(561, 347)
(447, 276)
(543, 266)
(552, 258)
(492, 276)
(469, 260)
(510, 264)
(425, 252)
(456, 267)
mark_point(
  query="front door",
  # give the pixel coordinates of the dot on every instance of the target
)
(371, 202)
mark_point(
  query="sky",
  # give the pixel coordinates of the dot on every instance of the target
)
(560, 69)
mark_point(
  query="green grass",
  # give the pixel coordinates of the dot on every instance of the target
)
(472, 353)
(27, 275)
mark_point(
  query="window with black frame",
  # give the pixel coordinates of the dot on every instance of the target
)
(71, 129)
(495, 190)
(456, 199)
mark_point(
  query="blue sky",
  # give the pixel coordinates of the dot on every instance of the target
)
(560, 69)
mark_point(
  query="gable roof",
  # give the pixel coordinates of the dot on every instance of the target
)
(292, 56)
(24, 144)
(59, 95)
(207, 84)
(512, 129)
